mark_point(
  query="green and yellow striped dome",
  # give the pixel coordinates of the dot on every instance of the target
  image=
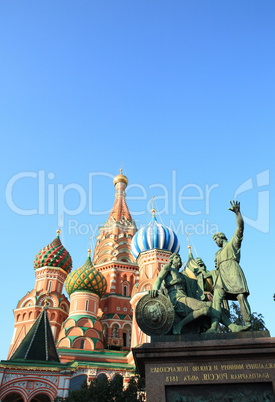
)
(86, 278)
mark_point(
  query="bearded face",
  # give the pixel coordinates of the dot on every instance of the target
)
(219, 241)
(177, 261)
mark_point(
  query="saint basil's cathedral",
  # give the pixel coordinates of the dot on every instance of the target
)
(59, 342)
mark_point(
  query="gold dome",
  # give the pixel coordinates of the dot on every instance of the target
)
(120, 178)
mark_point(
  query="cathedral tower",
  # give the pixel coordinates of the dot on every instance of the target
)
(113, 258)
(83, 329)
(52, 265)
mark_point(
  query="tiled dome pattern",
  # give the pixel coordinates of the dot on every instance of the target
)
(86, 278)
(53, 255)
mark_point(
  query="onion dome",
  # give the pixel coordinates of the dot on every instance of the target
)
(120, 178)
(86, 278)
(154, 236)
(54, 255)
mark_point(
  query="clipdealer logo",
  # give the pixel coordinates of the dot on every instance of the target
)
(49, 197)
(259, 184)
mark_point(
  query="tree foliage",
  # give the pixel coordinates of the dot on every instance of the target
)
(101, 389)
(257, 320)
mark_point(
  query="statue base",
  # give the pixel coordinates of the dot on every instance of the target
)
(208, 367)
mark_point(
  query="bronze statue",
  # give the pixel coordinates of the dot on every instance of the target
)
(182, 292)
(229, 282)
(190, 305)
(176, 284)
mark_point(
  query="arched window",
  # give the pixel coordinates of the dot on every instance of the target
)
(83, 343)
(125, 288)
(50, 286)
(41, 398)
(124, 339)
(126, 336)
(115, 331)
(102, 377)
(77, 382)
(105, 334)
(64, 307)
(13, 396)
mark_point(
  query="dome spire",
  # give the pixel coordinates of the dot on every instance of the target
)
(120, 178)
(120, 209)
(153, 210)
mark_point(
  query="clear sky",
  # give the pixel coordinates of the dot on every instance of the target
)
(178, 93)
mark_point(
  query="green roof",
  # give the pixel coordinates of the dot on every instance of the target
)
(97, 353)
(99, 364)
(38, 344)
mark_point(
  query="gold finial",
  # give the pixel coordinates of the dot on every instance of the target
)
(153, 207)
(58, 232)
(90, 245)
(60, 222)
(120, 178)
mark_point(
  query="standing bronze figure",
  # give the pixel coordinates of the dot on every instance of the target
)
(229, 282)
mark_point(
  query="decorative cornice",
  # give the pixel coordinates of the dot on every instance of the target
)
(30, 366)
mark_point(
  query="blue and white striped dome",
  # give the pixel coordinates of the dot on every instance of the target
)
(154, 235)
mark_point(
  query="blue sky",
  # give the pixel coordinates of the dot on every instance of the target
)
(180, 94)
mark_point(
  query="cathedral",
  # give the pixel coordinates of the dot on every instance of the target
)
(59, 342)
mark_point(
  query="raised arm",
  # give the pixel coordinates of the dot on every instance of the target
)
(238, 235)
(235, 207)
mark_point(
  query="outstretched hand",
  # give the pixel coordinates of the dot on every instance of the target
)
(235, 206)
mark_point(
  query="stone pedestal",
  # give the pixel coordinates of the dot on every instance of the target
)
(208, 367)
